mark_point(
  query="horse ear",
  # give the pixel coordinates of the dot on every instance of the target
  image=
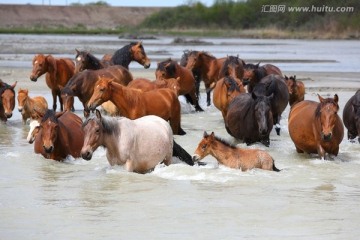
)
(321, 99)
(212, 135)
(13, 86)
(336, 98)
(77, 51)
(59, 114)
(294, 77)
(98, 114)
(257, 65)
(205, 134)
(286, 77)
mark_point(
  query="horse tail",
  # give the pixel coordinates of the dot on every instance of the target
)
(182, 154)
(275, 169)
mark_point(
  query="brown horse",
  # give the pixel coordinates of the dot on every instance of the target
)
(82, 84)
(316, 127)
(296, 90)
(133, 103)
(249, 118)
(27, 105)
(171, 69)
(59, 135)
(58, 72)
(145, 84)
(7, 100)
(253, 73)
(232, 156)
(226, 89)
(351, 116)
(85, 60)
(208, 66)
(132, 52)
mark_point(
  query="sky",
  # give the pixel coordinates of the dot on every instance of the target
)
(118, 3)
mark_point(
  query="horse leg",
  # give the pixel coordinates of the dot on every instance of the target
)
(182, 154)
(54, 95)
(321, 152)
(195, 101)
(175, 119)
(276, 118)
(60, 100)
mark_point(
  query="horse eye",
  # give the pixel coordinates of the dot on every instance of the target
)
(97, 130)
(204, 146)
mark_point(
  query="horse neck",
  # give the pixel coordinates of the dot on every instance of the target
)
(51, 67)
(122, 57)
(220, 151)
(29, 103)
(110, 141)
(125, 99)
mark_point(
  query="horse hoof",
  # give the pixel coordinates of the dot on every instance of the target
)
(181, 132)
(277, 131)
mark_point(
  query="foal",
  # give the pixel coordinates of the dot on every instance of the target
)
(232, 156)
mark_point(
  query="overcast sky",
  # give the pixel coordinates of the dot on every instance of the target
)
(145, 3)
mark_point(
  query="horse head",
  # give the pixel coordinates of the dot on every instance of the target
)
(40, 66)
(166, 69)
(80, 61)
(93, 129)
(193, 60)
(22, 97)
(204, 147)
(291, 83)
(50, 129)
(7, 98)
(326, 112)
(67, 97)
(139, 55)
(102, 92)
(263, 115)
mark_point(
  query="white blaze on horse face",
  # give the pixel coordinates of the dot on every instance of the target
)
(33, 125)
(78, 59)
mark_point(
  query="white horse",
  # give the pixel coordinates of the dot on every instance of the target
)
(138, 144)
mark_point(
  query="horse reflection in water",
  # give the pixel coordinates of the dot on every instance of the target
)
(316, 127)
(139, 145)
(232, 156)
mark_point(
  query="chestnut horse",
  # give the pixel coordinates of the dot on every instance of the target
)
(82, 84)
(59, 135)
(58, 73)
(145, 84)
(232, 66)
(138, 144)
(132, 52)
(253, 73)
(226, 89)
(249, 118)
(85, 60)
(209, 68)
(351, 116)
(171, 69)
(7, 100)
(296, 90)
(27, 105)
(134, 103)
(275, 85)
(232, 156)
(316, 127)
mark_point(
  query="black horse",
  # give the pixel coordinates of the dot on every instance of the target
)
(249, 118)
(351, 116)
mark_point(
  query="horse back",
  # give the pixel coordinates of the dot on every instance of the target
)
(272, 69)
(119, 73)
(161, 102)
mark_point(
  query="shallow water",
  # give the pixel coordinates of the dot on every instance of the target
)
(309, 199)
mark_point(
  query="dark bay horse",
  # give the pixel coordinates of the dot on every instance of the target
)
(82, 84)
(208, 66)
(139, 145)
(132, 52)
(226, 89)
(296, 90)
(58, 73)
(86, 60)
(253, 73)
(7, 100)
(232, 66)
(275, 85)
(232, 156)
(145, 84)
(249, 118)
(171, 69)
(30, 106)
(316, 127)
(351, 116)
(134, 103)
(59, 135)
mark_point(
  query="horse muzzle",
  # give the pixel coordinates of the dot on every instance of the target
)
(326, 137)
(48, 149)
(87, 155)
(33, 78)
(20, 109)
(8, 115)
(195, 157)
(245, 81)
(147, 65)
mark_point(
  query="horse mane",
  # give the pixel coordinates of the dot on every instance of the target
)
(109, 124)
(170, 70)
(49, 114)
(229, 59)
(123, 55)
(232, 84)
(322, 104)
(207, 54)
(225, 142)
(93, 61)
(260, 73)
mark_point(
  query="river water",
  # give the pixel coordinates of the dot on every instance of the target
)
(76, 199)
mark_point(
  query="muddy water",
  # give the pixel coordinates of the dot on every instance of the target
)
(77, 199)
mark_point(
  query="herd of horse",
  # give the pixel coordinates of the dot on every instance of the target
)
(140, 116)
